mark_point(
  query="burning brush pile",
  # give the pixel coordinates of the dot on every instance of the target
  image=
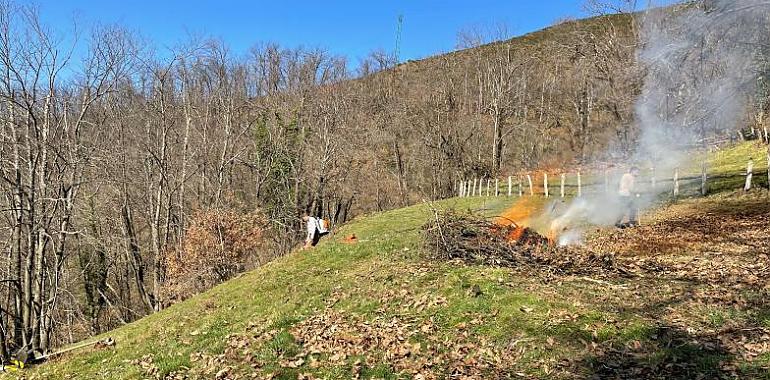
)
(451, 235)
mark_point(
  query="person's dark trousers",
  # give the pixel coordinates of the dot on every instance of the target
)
(317, 236)
(628, 204)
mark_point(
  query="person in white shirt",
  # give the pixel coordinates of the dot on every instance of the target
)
(628, 199)
(316, 228)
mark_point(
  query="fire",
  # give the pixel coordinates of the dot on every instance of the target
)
(526, 211)
(517, 216)
(516, 233)
(518, 219)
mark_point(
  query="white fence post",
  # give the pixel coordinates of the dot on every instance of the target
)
(580, 185)
(510, 185)
(749, 174)
(521, 187)
(545, 184)
(531, 188)
(676, 182)
(473, 190)
(563, 177)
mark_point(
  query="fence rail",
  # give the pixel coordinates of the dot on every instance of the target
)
(574, 184)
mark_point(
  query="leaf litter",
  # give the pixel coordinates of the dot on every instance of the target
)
(694, 280)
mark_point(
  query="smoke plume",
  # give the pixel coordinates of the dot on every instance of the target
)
(704, 65)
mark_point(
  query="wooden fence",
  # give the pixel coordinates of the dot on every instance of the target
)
(574, 183)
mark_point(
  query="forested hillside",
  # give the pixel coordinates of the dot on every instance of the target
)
(135, 176)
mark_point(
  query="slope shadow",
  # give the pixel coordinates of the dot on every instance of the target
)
(667, 353)
(677, 351)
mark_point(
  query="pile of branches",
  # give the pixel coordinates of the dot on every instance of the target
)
(451, 235)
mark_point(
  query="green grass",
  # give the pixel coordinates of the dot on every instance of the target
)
(284, 292)
(555, 320)
(734, 159)
(292, 288)
(731, 165)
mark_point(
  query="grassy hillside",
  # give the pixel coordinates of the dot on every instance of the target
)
(380, 308)
(346, 278)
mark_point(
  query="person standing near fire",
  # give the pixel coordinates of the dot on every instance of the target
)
(316, 228)
(628, 196)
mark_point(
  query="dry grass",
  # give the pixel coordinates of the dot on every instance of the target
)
(704, 288)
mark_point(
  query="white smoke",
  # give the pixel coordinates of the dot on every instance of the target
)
(571, 237)
(702, 63)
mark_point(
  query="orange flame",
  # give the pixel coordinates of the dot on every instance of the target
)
(515, 234)
(517, 216)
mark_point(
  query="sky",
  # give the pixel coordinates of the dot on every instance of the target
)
(349, 28)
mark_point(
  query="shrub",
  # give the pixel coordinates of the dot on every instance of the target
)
(218, 244)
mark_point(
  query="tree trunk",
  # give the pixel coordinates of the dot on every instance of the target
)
(134, 257)
(498, 149)
(401, 172)
(185, 153)
(4, 357)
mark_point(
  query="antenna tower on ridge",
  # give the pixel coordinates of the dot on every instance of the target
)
(398, 38)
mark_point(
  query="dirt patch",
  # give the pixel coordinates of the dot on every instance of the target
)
(715, 240)
(714, 225)
(720, 240)
(704, 279)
